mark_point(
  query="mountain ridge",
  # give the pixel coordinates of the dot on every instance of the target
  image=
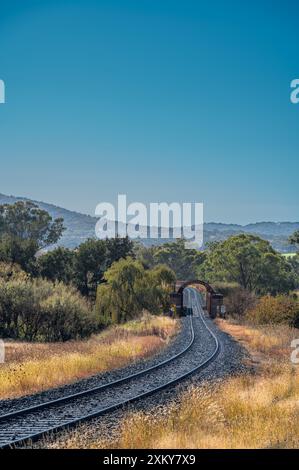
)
(80, 226)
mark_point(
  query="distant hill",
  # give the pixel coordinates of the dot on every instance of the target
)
(277, 233)
(81, 226)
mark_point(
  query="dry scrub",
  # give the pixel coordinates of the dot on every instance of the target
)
(32, 367)
(251, 411)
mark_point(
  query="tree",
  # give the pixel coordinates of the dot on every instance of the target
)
(162, 279)
(24, 220)
(277, 275)
(57, 265)
(163, 276)
(251, 262)
(239, 301)
(16, 251)
(181, 260)
(118, 248)
(294, 262)
(24, 229)
(89, 265)
(294, 239)
(130, 288)
(12, 271)
(144, 254)
(122, 289)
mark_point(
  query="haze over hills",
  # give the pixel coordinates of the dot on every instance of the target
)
(79, 227)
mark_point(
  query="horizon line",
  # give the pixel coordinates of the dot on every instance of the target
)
(95, 217)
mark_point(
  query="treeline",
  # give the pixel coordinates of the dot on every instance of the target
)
(85, 266)
(252, 263)
(59, 294)
(26, 231)
(63, 294)
(259, 285)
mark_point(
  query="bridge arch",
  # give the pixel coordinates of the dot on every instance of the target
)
(213, 299)
(185, 284)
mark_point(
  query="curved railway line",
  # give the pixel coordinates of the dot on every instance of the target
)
(33, 422)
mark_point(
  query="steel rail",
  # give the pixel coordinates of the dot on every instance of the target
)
(89, 391)
(73, 422)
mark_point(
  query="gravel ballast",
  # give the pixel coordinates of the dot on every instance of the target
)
(209, 344)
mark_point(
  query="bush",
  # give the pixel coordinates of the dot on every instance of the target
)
(236, 299)
(239, 302)
(280, 309)
(66, 315)
(10, 271)
(41, 310)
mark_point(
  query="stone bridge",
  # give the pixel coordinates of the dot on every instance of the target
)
(213, 300)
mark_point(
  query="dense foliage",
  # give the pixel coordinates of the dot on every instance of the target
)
(183, 261)
(279, 309)
(129, 289)
(24, 229)
(36, 309)
(294, 239)
(237, 300)
(50, 296)
(251, 262)
(85, 266)
(57, 265)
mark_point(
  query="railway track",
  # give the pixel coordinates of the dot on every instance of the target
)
(31, 423)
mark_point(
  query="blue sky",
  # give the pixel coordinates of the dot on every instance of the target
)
(161, 100)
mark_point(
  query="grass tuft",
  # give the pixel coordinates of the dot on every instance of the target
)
(32, 367)
(258, 410)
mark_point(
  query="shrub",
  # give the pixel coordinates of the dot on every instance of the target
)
(10, 271)
(280, 309)
(41, 310)
(238, 301)
(66, 315)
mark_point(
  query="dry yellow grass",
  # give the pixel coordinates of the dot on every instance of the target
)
(242, 413)
(34, 367)
(250, 411)
(269, 344)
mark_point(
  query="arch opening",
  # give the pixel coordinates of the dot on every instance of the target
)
(213, 300)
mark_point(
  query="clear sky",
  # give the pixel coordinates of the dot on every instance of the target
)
(163, 100)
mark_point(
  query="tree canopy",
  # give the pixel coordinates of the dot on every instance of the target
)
(90, 265)
(183, 261)
(249, 261)
(130, 288)
(294, 239)
(57, 265)
(24, 229)
(24, 220)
